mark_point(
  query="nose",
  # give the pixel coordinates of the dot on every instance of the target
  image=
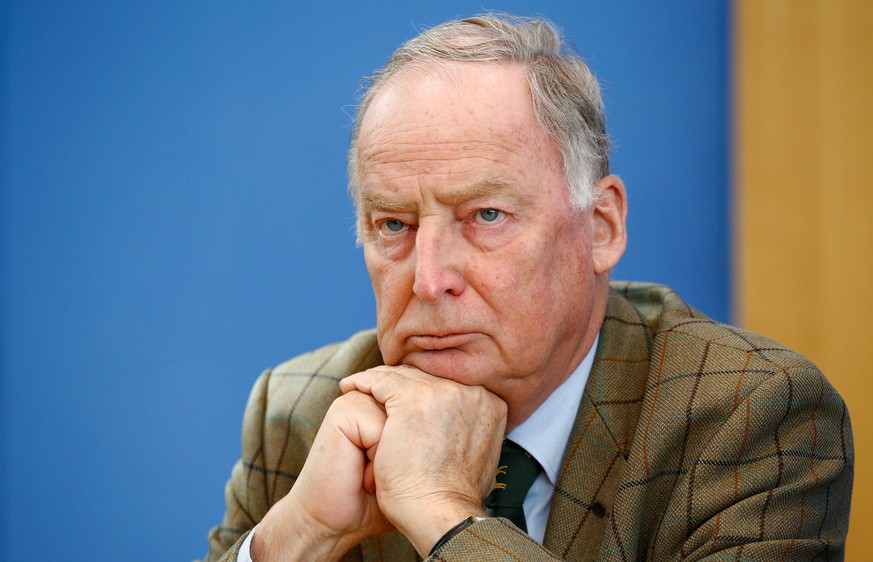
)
(437, 270)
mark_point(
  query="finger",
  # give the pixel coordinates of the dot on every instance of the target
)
(413, 373)
(363, 417)
(369, 470)
(406, 371)
(381, 384)
(370, 478)
(371, 452)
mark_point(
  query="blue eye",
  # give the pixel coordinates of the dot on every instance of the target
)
(489, 216)
(393, 226)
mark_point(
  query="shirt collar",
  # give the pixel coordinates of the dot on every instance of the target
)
(545, 433)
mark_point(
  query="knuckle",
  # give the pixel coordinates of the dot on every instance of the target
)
(349, 399)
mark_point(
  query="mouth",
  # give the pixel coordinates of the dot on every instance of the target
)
(431, 342)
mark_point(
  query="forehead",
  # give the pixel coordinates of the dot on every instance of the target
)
(452, 95)
(453, 119)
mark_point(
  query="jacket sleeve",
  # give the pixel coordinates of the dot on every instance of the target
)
(285, 409)
(776, 482)
(246, 491)
(492, 539)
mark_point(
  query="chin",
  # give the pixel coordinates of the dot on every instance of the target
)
(452, 364)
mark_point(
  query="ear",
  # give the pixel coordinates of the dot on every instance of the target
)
(609, 217)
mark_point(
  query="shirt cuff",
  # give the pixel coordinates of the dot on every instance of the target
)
(244, 554)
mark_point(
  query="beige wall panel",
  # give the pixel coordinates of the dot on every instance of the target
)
(804, 199)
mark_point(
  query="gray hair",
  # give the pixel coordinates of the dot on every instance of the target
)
(566, 95)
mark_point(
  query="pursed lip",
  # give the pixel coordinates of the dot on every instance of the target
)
(434, 342)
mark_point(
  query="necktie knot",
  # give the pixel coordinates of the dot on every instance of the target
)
(516, 472)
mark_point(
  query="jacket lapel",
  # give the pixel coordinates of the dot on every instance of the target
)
(599, 442)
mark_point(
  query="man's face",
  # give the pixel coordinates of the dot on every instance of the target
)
(482, 270)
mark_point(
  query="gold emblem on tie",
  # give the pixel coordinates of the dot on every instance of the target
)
(500, 470)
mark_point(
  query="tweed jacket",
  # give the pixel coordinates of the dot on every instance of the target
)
(694, 441)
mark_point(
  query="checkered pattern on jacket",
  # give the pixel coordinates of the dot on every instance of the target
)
(694, 440)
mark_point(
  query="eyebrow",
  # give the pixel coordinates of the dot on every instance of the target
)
(489, 187)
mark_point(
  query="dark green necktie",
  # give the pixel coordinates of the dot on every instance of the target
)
(516, 472)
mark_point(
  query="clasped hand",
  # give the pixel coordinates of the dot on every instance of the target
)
(399, 448)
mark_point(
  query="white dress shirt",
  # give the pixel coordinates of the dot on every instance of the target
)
(544, 435)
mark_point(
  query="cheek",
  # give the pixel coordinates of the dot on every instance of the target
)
(391, 301)
(392, 286)
(538, 282)
(497, 280)
(510, 286)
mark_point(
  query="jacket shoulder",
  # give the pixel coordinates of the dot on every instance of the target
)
(668, 316)
(333, 361)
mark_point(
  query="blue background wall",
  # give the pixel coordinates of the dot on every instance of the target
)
(174, 220)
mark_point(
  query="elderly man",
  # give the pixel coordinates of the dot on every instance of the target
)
(626, 424)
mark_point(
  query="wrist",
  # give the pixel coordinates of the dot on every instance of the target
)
(430, 523)
(294, 536)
